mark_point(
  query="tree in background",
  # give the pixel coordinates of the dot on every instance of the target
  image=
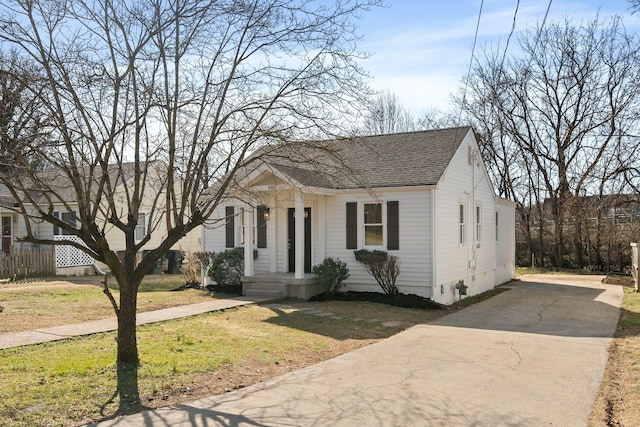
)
(152, 106)
(22, 122)
(557, 119)
(386, 115)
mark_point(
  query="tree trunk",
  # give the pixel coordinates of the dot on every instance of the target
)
(127, 360)
(558, 235)
(541, 219)
(578, 242)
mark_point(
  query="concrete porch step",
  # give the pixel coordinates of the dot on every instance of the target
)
(265, 293)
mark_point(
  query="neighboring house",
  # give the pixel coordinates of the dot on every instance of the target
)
(424, 197)
(72, 261)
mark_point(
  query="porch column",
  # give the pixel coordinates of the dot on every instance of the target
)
(320, 218)
(272, 230)
(299, 216)
(248, 241)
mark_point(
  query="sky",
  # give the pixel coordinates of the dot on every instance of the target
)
(420, 49)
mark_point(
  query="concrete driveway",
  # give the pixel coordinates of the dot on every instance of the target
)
(531, 356)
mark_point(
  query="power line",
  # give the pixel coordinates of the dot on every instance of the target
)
(473, 50)
(513, 28)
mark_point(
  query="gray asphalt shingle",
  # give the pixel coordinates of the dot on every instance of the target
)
(397, 160)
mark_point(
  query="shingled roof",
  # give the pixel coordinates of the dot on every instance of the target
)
(396, 160)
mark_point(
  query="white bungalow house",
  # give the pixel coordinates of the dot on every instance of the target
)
(424, 197)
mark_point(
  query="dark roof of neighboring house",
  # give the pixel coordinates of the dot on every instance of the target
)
(395, 160)
(58, 187)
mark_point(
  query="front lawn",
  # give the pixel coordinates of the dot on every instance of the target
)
(39, 304)
(72, 382)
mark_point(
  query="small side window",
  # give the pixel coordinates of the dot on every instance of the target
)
(141, 226)
(461, 225)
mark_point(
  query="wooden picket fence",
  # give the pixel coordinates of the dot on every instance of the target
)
(635, 265)
(28, 263)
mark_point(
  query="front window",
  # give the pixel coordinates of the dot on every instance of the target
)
(373, 234)
(141, 226)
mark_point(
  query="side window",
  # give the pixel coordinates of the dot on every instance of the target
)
(69, 218)
(141, 226)
(478, 224)
(497, 227)
(461, 224)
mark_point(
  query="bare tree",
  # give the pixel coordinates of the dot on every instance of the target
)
(386, 115)
(151, 102)
(22, 122)
(435, 118)
(567, 105)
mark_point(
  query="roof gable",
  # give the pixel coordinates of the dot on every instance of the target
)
(396, 160)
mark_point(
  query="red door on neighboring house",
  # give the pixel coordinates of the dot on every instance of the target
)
(7, 235)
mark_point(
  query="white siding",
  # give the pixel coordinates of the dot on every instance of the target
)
(464, 182)
(432, 260)
(505, 245)
(415, 235)
(414, 208)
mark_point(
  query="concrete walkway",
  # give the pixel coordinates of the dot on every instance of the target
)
(531, 356)
(55, 333)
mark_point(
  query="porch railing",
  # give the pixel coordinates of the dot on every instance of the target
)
(70, 256)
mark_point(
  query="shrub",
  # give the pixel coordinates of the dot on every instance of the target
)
(192, 265)
(332, 272)
(384, 268)
(227, 267)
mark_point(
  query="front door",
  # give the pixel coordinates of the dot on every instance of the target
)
(7, 235)
(292, 240)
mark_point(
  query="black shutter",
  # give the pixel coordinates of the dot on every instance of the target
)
(56, 229)
(229, 226)
(352, 225)
(393, 226)
(261, 227)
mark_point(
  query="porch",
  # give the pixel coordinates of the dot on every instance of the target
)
(281, 285)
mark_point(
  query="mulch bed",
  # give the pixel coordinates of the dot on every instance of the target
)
(400, 300)
(225, 289)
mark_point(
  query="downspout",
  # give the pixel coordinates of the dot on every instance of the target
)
(97, 269)
(474, 217)
(434, 242)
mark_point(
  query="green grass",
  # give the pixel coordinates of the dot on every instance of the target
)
(27, 307)
(630, 312)
(72, 382)
(157, 283)
(68, 382)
